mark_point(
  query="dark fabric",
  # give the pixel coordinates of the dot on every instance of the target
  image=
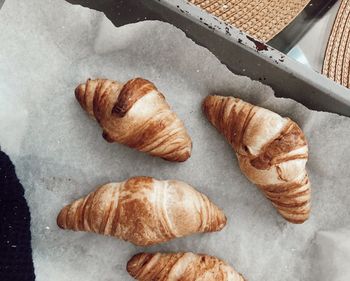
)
(15, 249)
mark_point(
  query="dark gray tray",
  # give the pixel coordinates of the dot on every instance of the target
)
(239, 52)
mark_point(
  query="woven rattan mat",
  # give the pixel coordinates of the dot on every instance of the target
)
(337, 58)
(262, 19)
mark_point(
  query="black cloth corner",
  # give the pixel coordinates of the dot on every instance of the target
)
(16, 262)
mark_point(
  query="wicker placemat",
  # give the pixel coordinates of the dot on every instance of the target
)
(337, 58)
(262, 19)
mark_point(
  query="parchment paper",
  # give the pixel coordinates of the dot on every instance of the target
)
(331, 252)
(48, 47)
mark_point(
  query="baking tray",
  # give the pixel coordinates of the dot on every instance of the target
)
(239, 52)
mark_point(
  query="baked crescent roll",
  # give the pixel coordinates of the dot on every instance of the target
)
(136, 114)
(144, 211)
(180, 267)
(272, 152)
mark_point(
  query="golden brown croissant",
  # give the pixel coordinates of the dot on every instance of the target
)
(144, 211)
(180, 266)
(136, 114)
(272, 152)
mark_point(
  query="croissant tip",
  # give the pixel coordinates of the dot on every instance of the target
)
(137, 262)
(206, 100)
(180, 157)
(185, 156)
(297, 221)
(207, 104)
(60, 220)
(79, 92)
(133, 261)
(296, 218)
(222, 221)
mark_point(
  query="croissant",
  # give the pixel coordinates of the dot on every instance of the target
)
(272, 152)
(180, 266)
(136, 114)
(144, 211)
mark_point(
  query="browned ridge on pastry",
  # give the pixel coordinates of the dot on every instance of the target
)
(136, 114)
(272, 152)
(180, 267)
(144, 211)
